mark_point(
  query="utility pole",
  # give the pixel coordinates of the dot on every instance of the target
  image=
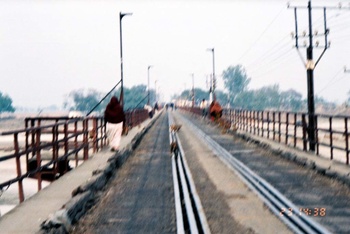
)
(310, 84)
(310, 66)
(192, 90)
(121, 98)
(213, 80)
(148, 91)
(155, 90)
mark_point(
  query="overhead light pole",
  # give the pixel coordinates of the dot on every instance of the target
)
(148, 91)
(346, 70)
(213, 82)
(192, 90)
(121, 98)
(155, 90)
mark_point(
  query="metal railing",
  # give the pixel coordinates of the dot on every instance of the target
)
(291, 128)
(47, 145)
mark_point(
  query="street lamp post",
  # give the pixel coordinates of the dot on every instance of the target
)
(155, 90)
(192, 90)
(346, 70)
(213, 83)
(148, 93)
(121, 98)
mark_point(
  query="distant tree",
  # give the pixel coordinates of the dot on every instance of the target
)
(6, 103)
(201, 94)
(236, 81)
(245, 100)
(185, 94)
(85, 101)
(268, 97)
(348, 101)
(198, 93)
(324, 106)
(80, 100)
(136, 97)
(222, 98)
(291, 100)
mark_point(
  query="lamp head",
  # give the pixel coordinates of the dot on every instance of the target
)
(121, 15)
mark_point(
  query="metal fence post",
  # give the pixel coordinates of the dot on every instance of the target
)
(346, 133)
(18, 168)
(304, 132)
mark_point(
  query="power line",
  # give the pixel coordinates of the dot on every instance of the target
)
(261, 35)
(343, 38)
(271, 51)
(265, 63)
(330, 81)
(280, 60)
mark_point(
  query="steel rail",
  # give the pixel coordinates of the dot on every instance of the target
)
(177, 196)
(185, 191)
(191, 185)
(272, 197)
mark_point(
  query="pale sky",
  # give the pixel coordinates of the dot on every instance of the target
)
(50, 47)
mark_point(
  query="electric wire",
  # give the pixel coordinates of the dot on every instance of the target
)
(261, 35)
(336, 22)
(271, 51)
(318, 23)
(331, 82)
(339, 23)
(268, 62)
(280, 60)
(274, 57)
(340, 27)
(345, 37)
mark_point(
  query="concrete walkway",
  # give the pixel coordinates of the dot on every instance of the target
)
(28, 216)
(322, 165)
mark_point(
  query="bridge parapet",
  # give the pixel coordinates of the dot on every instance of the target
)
(291, 128)
(48, 147)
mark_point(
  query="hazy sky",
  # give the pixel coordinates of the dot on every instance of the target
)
(49, 48)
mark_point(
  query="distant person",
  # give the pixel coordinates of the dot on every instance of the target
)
(204, 106)
(150, 111)
(156, 107)
(215, 111)
(114, 116)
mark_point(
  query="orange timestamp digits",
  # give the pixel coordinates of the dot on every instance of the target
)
(315, 211)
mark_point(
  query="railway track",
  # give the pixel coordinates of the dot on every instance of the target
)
(271, 196)
(150, 173)
(190, 215)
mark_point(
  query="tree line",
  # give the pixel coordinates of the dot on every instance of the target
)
(85, 100)
(237, 94)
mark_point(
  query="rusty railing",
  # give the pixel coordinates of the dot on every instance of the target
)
(48, 147)
(291, 128)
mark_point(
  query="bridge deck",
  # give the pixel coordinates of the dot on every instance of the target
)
(140, 197)
(141, 194)
(29, 215)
